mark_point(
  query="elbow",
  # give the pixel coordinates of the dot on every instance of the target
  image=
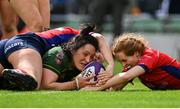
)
(45, 86)
(100, 38)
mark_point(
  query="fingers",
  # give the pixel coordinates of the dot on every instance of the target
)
(104, 74)
(90, 77)
(103, 77)
(91, 83)
(103, 81)
(85, 81)
(99, 57)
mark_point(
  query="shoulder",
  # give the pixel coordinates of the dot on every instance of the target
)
(55, 49)
(69, 30)
(56, 60)
(150, 53)
(54, 52)
(149, 58)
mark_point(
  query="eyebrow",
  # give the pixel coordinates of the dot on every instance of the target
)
(88, 52)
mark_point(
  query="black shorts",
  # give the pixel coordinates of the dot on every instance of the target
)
(28, 40)
(3, 61)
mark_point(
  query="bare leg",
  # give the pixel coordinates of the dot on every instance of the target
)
(1, 69)
(29, 61)
(28, 10)
(9, 19)
(44, 8)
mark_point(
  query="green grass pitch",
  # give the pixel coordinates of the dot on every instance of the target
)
(132, 96)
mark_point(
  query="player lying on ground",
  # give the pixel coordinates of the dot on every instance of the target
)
(62, 64)
(20, 56)
(155, 69)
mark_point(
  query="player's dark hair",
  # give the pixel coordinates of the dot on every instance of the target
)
(86, 38)
(82, 39)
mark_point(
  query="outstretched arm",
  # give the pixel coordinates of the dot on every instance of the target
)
(120, 79)
(49, 81)
(106, 51)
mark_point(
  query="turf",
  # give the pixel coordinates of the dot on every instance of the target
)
(132, 96)
(136, 98)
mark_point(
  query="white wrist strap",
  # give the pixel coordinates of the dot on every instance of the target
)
(77, 83)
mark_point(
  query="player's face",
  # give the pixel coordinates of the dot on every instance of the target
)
(83, 56)
(127, 61)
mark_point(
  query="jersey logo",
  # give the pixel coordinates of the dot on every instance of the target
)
(59, 57)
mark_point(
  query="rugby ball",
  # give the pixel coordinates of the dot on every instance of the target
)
(93, 68)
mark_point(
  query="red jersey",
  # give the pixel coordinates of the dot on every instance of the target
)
(57, 36)
(161, 71)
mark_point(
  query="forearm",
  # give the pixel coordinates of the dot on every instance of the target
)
(106, 51)
(117, 80)
(122, 79)
(61, 86)
(118, 87)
